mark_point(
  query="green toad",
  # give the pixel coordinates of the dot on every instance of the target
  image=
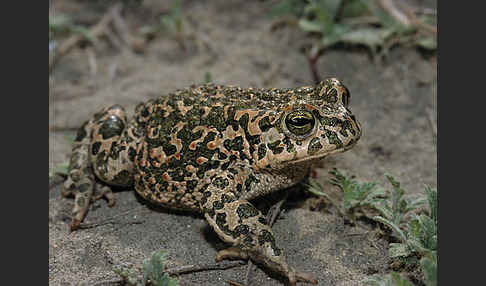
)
(211, 149)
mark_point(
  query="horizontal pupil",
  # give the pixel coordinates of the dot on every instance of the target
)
(300, 121)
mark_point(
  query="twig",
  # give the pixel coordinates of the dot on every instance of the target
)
(390, 7)
(419, 23)
(231, 282)
(93, 66)
(212, 266)
(111, 220)
(271, 218)
(109, 282)
(55, 128)
(406, 16)
(105, 222)
(135, 43)
(424, 11)
(96, 31)
(312, 58)
(432, 121)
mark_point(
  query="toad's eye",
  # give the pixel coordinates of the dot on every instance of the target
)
(300, 122)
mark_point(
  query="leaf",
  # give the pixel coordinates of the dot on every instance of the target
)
(396, 230)
(417, 246)
(398, 280)
(310, 26)
(399, 250)
(432, 200)
(429, 231)
(383, 209)
(285, 7)
(429, 268)
(354, 8)
(384, 17)
(428, 43)
(370, 37)
(154, 270)
(315, 188)
(414, 203)
(414, 229)
(391, 279)
(83, 32)
(331, 6)
(396, 199)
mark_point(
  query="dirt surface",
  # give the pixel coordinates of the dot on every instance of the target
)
(232, 40)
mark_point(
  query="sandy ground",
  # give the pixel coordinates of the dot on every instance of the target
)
(394, 100)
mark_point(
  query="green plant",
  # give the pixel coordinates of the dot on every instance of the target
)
(355, 195)
(171, 21)
(418, 234)
(208, 77)
(153, 272)
(414, 227)
(357, 22)
(62, 24)
(390, 279)
(394, 210)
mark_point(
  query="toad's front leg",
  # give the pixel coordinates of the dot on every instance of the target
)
(101, 149)
(238, 222)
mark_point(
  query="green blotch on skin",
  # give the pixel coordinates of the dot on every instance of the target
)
(289, 144)
(235, 144)
(264, 124)
(328, 121)
(248, 242)
(331, 95)
(221, 221)
(241, 229)
(266, 236)
(314, 146)
(84, 187)
(95, 148)
(245, 211)
(275, 148)
(220, 183)
(333, 139)
(81, 134)
(262, 151)
(123, 178)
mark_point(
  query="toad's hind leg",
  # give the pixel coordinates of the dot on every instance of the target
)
(100, 135)
(238, 222)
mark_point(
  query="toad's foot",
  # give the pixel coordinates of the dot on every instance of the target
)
(292, 274)
(84, 196)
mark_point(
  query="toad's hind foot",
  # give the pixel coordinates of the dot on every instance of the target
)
(103, 191)
(292, 274)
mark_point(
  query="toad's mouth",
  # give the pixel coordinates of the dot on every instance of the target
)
(320, 156)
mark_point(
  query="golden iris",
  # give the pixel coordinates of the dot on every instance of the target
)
(300, 122)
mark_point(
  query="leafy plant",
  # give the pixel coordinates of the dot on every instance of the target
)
(357, 22)
(412, 226)
(208, 77)
(393, 211)
(153, 272)
(420, 233)
(355, 195)
(429, 269)
(390, 279)
(62, 24)
(172, 21)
